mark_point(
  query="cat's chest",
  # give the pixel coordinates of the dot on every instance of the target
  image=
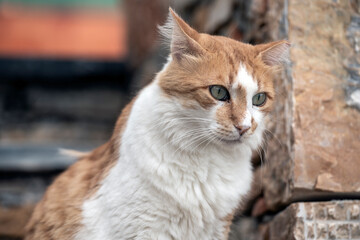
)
(171, 198)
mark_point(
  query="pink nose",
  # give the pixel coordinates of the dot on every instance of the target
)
(242, 129)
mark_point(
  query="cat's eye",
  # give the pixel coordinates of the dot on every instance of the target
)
(259, 99)
(219, 93)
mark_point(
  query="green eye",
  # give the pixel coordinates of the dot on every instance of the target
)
(219, 93)
(259, 99)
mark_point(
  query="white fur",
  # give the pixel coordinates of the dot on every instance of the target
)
(173, 179)
(250, 85)
(247, 120)
(245, 81)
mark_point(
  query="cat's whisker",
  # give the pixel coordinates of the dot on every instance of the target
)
(188, 134)
(203, 141)
(165, 124)
(169, 124)
(190, 143)
(210, 139)
(198, 139)
(262, 150)
(192, 118)
(261, 165)
(274, 136)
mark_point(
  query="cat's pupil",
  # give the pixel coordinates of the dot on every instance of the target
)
(219, 93)
(259, 99)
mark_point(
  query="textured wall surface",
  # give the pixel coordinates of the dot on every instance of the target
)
(316, 220)
(317, 145)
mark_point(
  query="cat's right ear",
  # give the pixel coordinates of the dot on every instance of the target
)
(274, 54)
(181, 37)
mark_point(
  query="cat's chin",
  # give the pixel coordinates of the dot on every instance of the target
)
(239, 140)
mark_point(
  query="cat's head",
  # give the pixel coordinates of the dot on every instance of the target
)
(221, 88)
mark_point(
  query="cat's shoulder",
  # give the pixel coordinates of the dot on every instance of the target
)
(61, 204)
(58, 215)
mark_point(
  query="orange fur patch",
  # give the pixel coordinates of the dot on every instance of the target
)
(189, 81)
(228, 221)
(253, 125)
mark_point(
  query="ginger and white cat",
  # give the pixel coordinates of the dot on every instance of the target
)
(178, 162)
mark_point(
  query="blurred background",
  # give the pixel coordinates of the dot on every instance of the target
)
(68, 67)
(63, 80)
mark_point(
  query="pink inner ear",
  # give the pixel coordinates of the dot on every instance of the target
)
(276, 55)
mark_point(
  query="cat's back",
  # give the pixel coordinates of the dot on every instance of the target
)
(59, 214)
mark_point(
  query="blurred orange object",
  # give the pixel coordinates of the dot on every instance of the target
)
(62, 33)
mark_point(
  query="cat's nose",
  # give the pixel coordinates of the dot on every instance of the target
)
(242, 129)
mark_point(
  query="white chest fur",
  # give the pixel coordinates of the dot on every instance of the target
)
(156, 191)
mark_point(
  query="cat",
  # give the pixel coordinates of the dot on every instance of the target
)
(178, 162)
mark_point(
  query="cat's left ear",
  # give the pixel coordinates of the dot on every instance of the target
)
(183, 38)
(275, 53)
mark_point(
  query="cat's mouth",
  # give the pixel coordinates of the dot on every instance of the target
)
(231, 141)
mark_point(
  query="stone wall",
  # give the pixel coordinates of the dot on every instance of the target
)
(320, 130)
(316, 220)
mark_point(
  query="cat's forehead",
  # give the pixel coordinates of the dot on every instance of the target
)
(231, 49)
(236, 63)
(245, 80)
(230, 53)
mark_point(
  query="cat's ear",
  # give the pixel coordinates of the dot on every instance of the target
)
(182, 38)
(274, 53)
